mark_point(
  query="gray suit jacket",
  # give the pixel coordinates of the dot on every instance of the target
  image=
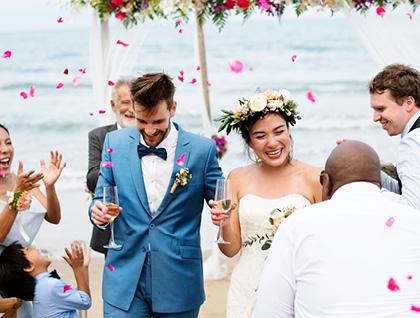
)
(96, 142)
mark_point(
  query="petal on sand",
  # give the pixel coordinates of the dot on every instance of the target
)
(180, 78)
(193, 81)
(198, 68)
(410, 16)
(208, 84)
(180, 31)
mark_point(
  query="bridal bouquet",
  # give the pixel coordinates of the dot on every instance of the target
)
(276, 217)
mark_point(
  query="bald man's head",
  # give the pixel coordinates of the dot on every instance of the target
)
(351, 161)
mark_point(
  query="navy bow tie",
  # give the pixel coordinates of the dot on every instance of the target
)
(54, 274)
(144, 151)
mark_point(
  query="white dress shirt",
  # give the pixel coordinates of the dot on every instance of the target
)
(335, 259)
(157, 172)
(408, 166)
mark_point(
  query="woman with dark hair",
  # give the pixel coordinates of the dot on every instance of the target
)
(23, 206)
(272, 187)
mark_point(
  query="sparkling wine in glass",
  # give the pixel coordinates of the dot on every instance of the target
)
(223, 198)
(110, 199)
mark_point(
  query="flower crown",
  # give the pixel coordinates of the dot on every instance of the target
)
(259, 105)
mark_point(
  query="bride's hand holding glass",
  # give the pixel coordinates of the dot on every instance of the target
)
(218, 214)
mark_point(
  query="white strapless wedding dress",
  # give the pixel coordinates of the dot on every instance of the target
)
(254, 212)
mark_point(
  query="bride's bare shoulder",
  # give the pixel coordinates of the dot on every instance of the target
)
(308, 169)
(241, 172)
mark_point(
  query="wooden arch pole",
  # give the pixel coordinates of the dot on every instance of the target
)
(202, 59)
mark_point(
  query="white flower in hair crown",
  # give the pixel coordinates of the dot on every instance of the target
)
(258, 105)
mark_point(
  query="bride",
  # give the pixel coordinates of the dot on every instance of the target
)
(275, 180)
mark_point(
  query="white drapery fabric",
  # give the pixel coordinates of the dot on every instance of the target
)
(109, 60)
(392, 38)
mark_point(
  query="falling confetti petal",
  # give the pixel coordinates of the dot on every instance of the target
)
(392, 285)
(109, 150)
(59, 85)
(7, 54)
(32, 91)
(181, 160)
(180, 31)
(67, 288)
(181, 72)
(310, 96)
(90, 114)
(82, 70)
(122, 43)
(409, 277)
(111, 268)
(2, 174)
(415, 308)
(380, 11)
(102, 111)
(390, 221)
(111, 83)
(181, 79)
(294, 56)
(66, 71)
(236, 66)
(107, 164)
(24, 95)
(76, 80)
(178, 22)
(410, 16)
(251, 68)
(198, 68)
(193, 81)
(208, 83)
(60, 20)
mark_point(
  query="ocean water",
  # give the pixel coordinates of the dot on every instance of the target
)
(331, 62)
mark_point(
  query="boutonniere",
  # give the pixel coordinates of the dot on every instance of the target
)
(181, 179)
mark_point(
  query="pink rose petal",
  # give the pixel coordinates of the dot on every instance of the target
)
(409, 277)
(293, 58)
(180, 78)
(32, 91)
(180, 31)
(181, 72)
(24, 95)
(380, 11)
(67, 288)
(109, 150)
(7, 54)
(392, 285)
(82, 70)
(66, 71)
(178, 22)
(198, 68)
(107, 164)
(193, 81)
(389, 222)
(310, 97)
(120, 15)
(60, 20)
(59, 85)
(76, 80)
(111, 268)
(122, 43)
(236, 66)
(208, 83)
(102, 111)
(410, 15)
(181, 160)
(415, 308)
(111, 83)
(2, 174)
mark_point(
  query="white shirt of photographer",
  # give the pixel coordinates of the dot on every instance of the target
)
(157, 172)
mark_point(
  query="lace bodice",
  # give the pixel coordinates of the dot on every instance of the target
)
(254, 212)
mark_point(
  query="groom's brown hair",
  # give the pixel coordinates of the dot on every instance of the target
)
(151, 88)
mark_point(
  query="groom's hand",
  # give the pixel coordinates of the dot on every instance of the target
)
(99, 214)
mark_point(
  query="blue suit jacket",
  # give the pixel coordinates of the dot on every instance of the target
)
(173, 232)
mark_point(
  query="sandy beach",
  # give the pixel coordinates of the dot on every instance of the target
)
(213, 307)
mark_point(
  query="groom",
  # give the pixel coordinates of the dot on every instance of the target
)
(158, 270)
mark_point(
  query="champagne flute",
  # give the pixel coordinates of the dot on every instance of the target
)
(110, 198)
(223, 198)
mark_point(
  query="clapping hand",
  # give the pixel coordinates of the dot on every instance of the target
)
(53, 171)
(26, 181)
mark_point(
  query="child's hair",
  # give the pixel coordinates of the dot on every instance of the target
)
(14, 280)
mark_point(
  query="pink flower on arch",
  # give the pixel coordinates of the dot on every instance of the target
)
(380, 11)
(120, 15)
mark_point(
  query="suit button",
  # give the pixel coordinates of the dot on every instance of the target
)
(152, 226)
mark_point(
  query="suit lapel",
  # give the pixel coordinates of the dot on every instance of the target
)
(136, 171)
(182, 146)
